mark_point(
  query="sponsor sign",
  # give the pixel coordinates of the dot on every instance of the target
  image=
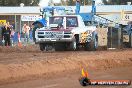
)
(127, 17)
(110, 82)
(30, 17)
(85, 81)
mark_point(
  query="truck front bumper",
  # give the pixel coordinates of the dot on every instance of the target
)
(53, 40)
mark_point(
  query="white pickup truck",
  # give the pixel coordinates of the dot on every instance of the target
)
(66, 32)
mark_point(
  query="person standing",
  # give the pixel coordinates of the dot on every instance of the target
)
(25, 31)
(12, 37)
(6, 34)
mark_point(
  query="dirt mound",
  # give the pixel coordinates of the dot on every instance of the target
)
(23, 65)
(29, 48)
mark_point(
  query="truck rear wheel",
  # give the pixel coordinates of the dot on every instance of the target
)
(93, 45)
(89, 46)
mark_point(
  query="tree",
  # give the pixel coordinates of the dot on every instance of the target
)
(3, 2)
(116, 2)
(35, 2)
(63, 2)
(105, 2)
(82, 2)
(70, 2)
(17, 2)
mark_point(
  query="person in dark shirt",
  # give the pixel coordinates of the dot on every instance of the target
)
(6, 34)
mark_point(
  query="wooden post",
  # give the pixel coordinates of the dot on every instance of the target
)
(119, 38)
(130, 40)
(20, 25)
(15, 23)
(111, 44)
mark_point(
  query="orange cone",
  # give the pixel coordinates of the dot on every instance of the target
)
(19, 41)
(19, 44)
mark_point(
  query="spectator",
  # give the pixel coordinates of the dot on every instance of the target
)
(6, 34)
(30, 32)
(13, 25)
(8, 24)
(25, 30)
(12, 37)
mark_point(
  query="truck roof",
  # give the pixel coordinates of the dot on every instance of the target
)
(67, 16)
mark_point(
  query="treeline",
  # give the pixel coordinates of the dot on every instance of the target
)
(63, 2)
(18, 2)
(36, 2)
(116, 2)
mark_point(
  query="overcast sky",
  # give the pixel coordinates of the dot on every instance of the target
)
(98, 1)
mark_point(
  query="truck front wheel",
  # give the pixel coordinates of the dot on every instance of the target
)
(73, 44)
(42, 46)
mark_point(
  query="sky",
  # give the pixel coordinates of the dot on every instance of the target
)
(44, 3)
(98, 1)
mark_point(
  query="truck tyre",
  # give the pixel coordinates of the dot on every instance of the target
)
(88, 46)
(73, 44)
(59, 46)
(42, 46)
(93, 45)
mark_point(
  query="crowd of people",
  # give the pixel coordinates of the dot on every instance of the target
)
(10, 36)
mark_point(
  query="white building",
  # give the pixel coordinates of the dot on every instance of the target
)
(28, 14)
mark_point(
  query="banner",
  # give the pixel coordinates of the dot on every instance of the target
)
(128, 17)
(30, 17)
(2, 22)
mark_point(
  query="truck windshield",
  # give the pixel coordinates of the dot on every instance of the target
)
(70, 21)
(56, 20)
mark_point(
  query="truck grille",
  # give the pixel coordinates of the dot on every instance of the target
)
(67, 35)
(50, 34)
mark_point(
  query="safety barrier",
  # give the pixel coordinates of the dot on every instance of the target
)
(114, 37)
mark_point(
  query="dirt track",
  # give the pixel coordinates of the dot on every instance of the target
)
(17, 64)
(70, 79)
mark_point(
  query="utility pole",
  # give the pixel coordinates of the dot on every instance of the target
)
(77, 7)
(93, 12)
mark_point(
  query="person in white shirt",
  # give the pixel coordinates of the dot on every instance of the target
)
(25, 30)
